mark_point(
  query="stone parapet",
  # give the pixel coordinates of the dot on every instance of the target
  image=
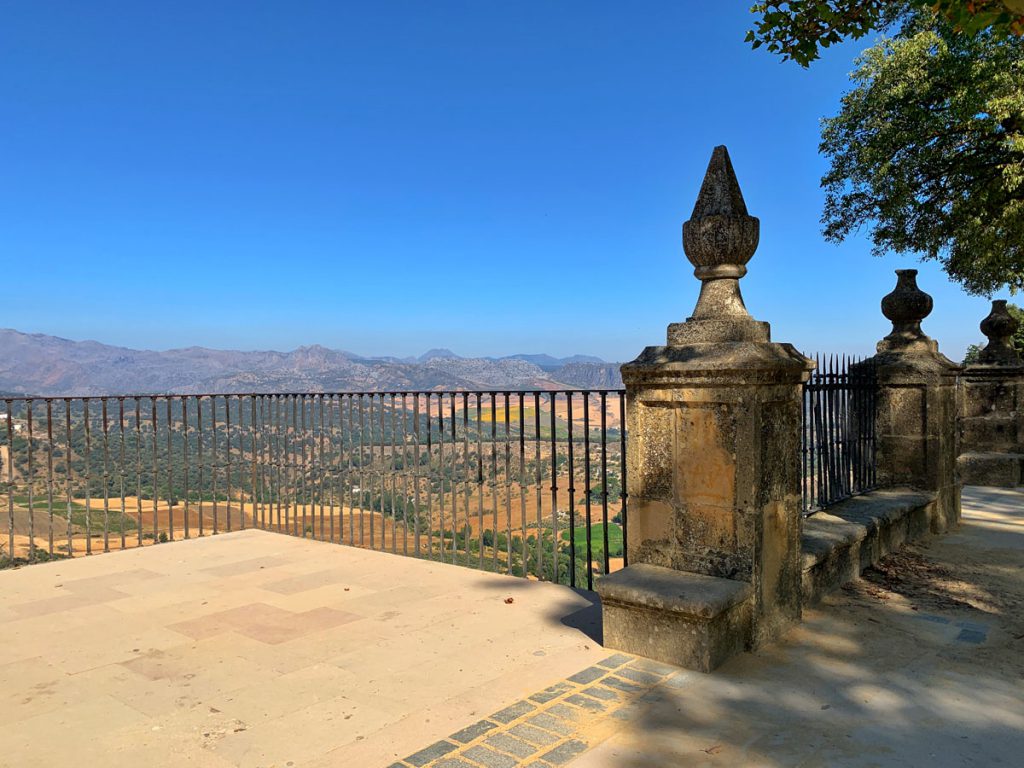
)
(713, 470)
(916, 405)
(991, 428)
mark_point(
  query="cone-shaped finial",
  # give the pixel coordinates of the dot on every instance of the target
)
(720, 236)
(719, 240)
(720, 194)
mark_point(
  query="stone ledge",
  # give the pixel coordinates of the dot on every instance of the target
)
(666, 589)
(838, 544)
(1003, 470)
(680, 618)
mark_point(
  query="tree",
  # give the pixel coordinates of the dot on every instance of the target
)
(928, 148)
(798, 29)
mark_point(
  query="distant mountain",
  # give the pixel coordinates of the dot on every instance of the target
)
(47, 365)
(432, 354)
(549, 363)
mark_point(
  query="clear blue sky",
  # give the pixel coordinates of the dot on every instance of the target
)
(385, 177)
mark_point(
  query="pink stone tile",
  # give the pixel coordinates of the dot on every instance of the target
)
(263, 622)
(247, 566)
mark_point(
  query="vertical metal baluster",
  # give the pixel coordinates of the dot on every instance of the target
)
(156, 477)
(572, 492)
(586, 489)
(494, 480)
(538, 476)
(69, 479)
(285, 486)
(227, 462)
(327, 471)
(138, 471)
(480, 477)
(812, 477)
(366, 492)
(803, 450)
(105, 430)
(185, 456)
(10, 482)
(606, 565)
(88, 476)
(49, 472)
(320, 463)
(275, 458)
(301, 485)
(522, 483)
(454, 451)
(362, 470)
(252, 458)
(379, 469)
(844, 405)
(199, 459)
(440, 473)
(508, 488)
(291, 439)
(31, 484)
(121, 465)
(556, 558)
(430, 480)
(622, 467)
(394, 481)
(467, 484)
(170, 473)
(351, 472)
(405, 475)
(416, 473)
(214, 462)
(818, 439)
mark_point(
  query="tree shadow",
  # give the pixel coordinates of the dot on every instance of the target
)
(928, 672)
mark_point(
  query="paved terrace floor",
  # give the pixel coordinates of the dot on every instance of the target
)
(255, 649)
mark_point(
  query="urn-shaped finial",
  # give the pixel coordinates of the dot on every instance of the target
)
(906, 306)
(719, 240)
(999, 327)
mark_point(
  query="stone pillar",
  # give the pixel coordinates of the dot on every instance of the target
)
(992, 408)
(713, 463)
(916, 404)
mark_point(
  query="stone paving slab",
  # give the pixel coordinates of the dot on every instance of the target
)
(259, 649)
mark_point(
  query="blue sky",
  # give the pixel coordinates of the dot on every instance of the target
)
(493, 177)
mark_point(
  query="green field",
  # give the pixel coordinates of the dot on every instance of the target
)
(597, 539)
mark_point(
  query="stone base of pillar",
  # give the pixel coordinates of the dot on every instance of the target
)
(679, 618)
(1003, 470)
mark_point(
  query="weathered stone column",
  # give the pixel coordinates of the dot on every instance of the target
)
(992, 408)
(915, 405)
(713, 463)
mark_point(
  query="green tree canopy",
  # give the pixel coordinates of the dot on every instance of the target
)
(928, 149)
(798, 29)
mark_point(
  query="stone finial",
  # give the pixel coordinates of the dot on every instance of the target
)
(999, 327)
(719, 240)
(906, 307)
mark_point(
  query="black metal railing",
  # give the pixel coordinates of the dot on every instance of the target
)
(838, 432)
(525, 483)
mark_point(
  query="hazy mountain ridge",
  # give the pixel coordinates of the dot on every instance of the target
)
(39, 364)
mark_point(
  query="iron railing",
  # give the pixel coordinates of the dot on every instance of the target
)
(526, 483)
(838, 432)
(530, 483)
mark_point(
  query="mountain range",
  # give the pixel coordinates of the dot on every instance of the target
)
(37, 364)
